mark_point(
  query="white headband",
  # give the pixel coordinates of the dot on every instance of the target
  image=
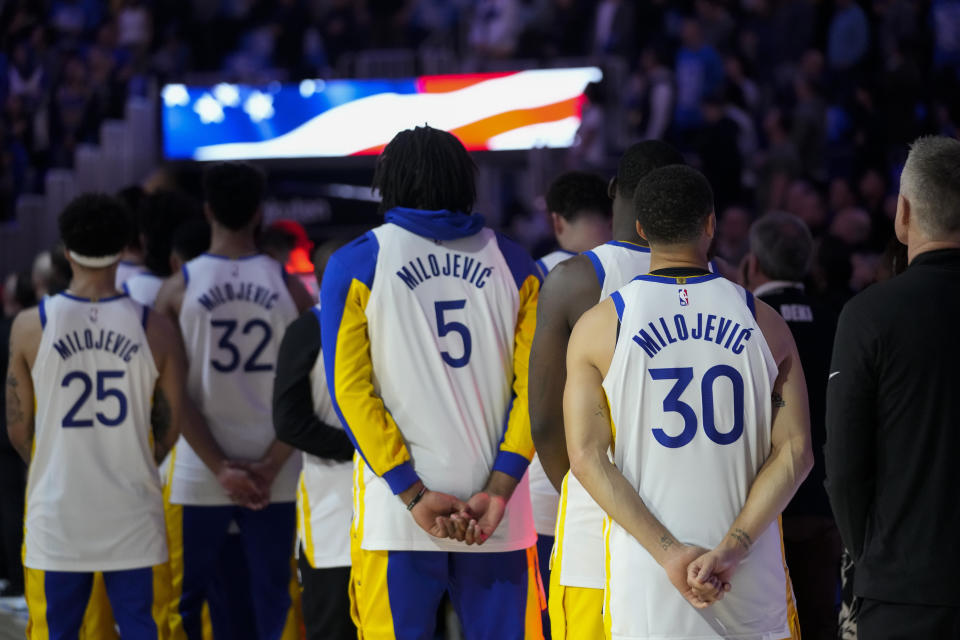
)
(94, 262)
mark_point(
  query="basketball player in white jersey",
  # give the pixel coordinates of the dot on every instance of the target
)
(304, 418)
(232, 306)
(83, 370)
(579, 210)
(575, 285)
(158, 217)
(426, 324)
(697, 389)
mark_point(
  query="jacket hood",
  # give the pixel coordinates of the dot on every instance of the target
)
(437, 225)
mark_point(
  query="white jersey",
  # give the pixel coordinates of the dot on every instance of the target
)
(125, 271)
(689, 388)
(143, 287)
(552, 259)
(579, 547)
(325, 495)
(233, 316)
(94, 501)
(442, 317)
(578, 550)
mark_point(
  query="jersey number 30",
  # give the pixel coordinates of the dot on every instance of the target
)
(673, 403)
(103, 393)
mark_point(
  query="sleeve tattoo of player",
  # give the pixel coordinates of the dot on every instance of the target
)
(15, 412)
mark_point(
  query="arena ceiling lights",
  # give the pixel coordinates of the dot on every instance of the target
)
(338, 118)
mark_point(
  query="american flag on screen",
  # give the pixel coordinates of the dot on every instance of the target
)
(335, 118)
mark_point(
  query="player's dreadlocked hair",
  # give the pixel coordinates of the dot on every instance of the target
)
(426, 168)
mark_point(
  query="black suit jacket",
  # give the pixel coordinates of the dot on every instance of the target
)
(893, 433)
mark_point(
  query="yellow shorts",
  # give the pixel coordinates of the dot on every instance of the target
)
(576, 613)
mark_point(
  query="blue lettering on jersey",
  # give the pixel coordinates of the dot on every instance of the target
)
(717, 329)
(220, 294)
(450, 265)
(107, 341)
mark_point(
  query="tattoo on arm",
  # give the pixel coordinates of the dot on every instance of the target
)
(666, 542)
(742, 537)
(601, 411)
(14, 410)
(778, 400)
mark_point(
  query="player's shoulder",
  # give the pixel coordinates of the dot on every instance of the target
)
(573, 282)
(519, 260)
(26, 330)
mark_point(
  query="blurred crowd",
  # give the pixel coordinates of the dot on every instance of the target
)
(794, 105)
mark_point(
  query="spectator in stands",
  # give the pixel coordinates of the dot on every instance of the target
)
(781, 250)
(699, 72)
(719, 149)
(849, 36)
(733, 230)
(651, 97)
(613, 28)
(495, 28)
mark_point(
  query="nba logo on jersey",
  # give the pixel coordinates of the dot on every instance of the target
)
(684, 297)
(93, 314)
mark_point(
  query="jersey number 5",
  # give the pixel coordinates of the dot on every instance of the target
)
(673, 403)
(103, 393)
(444, 327)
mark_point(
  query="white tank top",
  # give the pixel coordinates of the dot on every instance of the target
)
(143, 287)
(578, 550)
(689, 389)
(552, 259)
(233, 317)
(93, 492)
(579, 546)
(445, 371)
(325, 496)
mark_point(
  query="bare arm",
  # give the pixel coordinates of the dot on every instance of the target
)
(301, 297)
(569, 290)
(589, 436)
(24, 340)
(791, 456)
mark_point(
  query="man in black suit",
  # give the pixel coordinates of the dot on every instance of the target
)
(893, 416)
(781, 251)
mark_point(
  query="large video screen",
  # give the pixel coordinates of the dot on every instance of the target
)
(337, 118)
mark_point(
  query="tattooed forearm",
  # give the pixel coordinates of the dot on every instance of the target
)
(15, 414)
(601, 411)
(666, 542)
(742, 538)
(778, 400)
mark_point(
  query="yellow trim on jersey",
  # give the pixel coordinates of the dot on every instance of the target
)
(291, 628)
(793, 618)
(517, 438)
(356, 538)
(555, 555)
(607, 620)
(304, 527)
(173, 514)
(374, 430)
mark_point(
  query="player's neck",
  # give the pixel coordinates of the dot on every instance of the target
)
(94, 284)
(232, 244)
(667, 257)
(626, 231)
